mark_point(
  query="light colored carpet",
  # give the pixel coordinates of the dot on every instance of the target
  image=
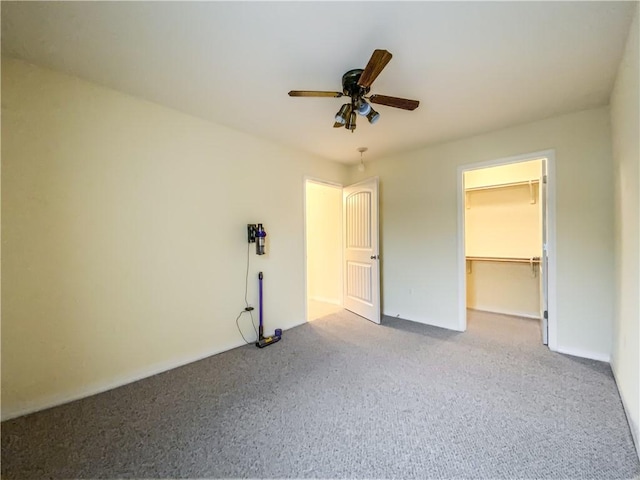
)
(317, 309)
(343, 398)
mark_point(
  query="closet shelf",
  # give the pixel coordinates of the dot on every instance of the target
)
(504, 259)
(533, 262)
(530, 183)
(503, 185)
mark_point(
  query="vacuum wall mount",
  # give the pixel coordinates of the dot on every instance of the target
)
(256, 234)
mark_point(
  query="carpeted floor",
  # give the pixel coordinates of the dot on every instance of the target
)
(343, 398)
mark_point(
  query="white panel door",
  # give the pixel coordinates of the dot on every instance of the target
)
(544, 259)
(361, 255)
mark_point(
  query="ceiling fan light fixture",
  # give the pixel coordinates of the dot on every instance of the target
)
(361, 166)
(373, 116)
(363, 108)
(351, 123)
(343, 113)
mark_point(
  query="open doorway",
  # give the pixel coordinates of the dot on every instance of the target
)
(323, 237)
(505, 231)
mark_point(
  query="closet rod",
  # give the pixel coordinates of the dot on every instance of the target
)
(501, 185)
(505, 259)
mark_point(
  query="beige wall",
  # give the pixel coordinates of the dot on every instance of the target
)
(625, 103)
(124, 236)
(419, 229)
(509, 288)
(502, 222)
(324, 243)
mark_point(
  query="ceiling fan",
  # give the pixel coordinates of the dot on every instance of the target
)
(356, 84)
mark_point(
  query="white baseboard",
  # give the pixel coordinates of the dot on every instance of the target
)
(102, 386)
(297, 324)
(426, 321)
(565, 350)
(511, 313)
(635, 429)
(332, 301)
(576, 352)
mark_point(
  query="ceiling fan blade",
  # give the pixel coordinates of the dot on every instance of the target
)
(377, 62)
(313, 93)
(338, 125)
(403, 103)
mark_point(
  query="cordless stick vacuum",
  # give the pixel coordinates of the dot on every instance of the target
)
(262, 340)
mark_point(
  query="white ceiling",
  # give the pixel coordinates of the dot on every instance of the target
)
(474, 66)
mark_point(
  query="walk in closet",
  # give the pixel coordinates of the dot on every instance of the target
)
(503, 238)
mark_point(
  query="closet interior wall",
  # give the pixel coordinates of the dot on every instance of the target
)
(503, 240)
(323, 233)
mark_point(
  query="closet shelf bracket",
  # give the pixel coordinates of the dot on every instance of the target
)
(532, 193)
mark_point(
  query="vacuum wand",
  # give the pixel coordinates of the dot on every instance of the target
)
(260, 327)
(262, 340)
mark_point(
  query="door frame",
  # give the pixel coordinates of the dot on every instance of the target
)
(310, 179)
(552, 305)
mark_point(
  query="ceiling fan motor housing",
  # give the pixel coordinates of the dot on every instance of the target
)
(350, 84)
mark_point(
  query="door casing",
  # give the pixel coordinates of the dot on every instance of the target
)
(549, 155)
(306, 180)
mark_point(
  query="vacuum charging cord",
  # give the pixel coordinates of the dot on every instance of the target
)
(247, 308)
